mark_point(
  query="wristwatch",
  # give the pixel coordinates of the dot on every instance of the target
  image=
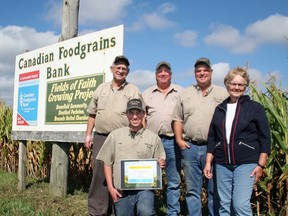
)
(263, 167)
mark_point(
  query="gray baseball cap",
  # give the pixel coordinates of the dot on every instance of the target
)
(123, 58)
(203, 60)
(135, 103)
(167, 64)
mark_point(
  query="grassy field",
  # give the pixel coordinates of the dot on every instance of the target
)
(36, 199)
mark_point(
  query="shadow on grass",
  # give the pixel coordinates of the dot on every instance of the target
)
(36, 182)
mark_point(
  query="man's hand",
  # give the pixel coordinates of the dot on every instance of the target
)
(162, 162)
(114, 193)
(183, 144)
(88, 141)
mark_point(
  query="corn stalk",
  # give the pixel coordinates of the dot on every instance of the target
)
(275, 102)
(6, 149)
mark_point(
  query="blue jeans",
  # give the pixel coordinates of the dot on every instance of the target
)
(235, 187)
(173, 170)
(135, 202)
(194, 160)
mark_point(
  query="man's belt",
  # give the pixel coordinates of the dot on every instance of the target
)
(196, 142)
(102, 134)
(162, 136)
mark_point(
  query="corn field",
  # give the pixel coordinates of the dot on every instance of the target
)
(269, 198)
(272, 193)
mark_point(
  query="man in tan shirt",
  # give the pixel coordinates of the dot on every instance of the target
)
(160, 100)
(107, 112)
(133, 142)
(191, 120)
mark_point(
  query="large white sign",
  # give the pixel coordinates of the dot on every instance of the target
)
(54, 84)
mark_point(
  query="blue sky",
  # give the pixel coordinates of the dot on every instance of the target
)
(230, 33)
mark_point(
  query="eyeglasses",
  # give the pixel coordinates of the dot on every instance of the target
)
(240, 85)
(121, 68)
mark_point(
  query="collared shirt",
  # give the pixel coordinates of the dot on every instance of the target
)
(120, 144)
(109, 106)
(159, 108)
(195, 111)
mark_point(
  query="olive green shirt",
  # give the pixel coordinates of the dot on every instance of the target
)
(195, 111)
(120, 144)
(159, 108)
(109, 105)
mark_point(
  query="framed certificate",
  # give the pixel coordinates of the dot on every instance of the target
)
(141, 174)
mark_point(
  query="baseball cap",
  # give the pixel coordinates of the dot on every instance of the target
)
(167, 64)
(134, 103)
(203, 60)
(123, 58)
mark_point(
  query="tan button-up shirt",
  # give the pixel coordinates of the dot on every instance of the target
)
(195, 111)
(109, 106)
(159, 108)
(120, 144)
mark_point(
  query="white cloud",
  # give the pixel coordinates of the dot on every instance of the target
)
(6, 67)
(155, 20)
(166, 8)
(14, 41)
(54, 11)
(108, 12)
(103, 11)
(221, 69)
(187, 38)
(184, 78)
(271, 29)
(142, 78)
(256, 75)
(260, 78)
(277, 75)
(6, 89)
(219, 72)
(91, 12)
(230, 37)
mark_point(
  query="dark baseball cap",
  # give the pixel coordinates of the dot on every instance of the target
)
(121, 58)
(165, 63)
(203, 60)
(135, 103)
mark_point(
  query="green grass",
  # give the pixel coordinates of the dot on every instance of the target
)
(35, 200)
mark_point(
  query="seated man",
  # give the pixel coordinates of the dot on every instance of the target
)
(133, 142)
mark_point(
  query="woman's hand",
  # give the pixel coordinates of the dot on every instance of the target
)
(257, 172)
(207, 171)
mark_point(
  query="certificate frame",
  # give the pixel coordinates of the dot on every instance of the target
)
(140, 174)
